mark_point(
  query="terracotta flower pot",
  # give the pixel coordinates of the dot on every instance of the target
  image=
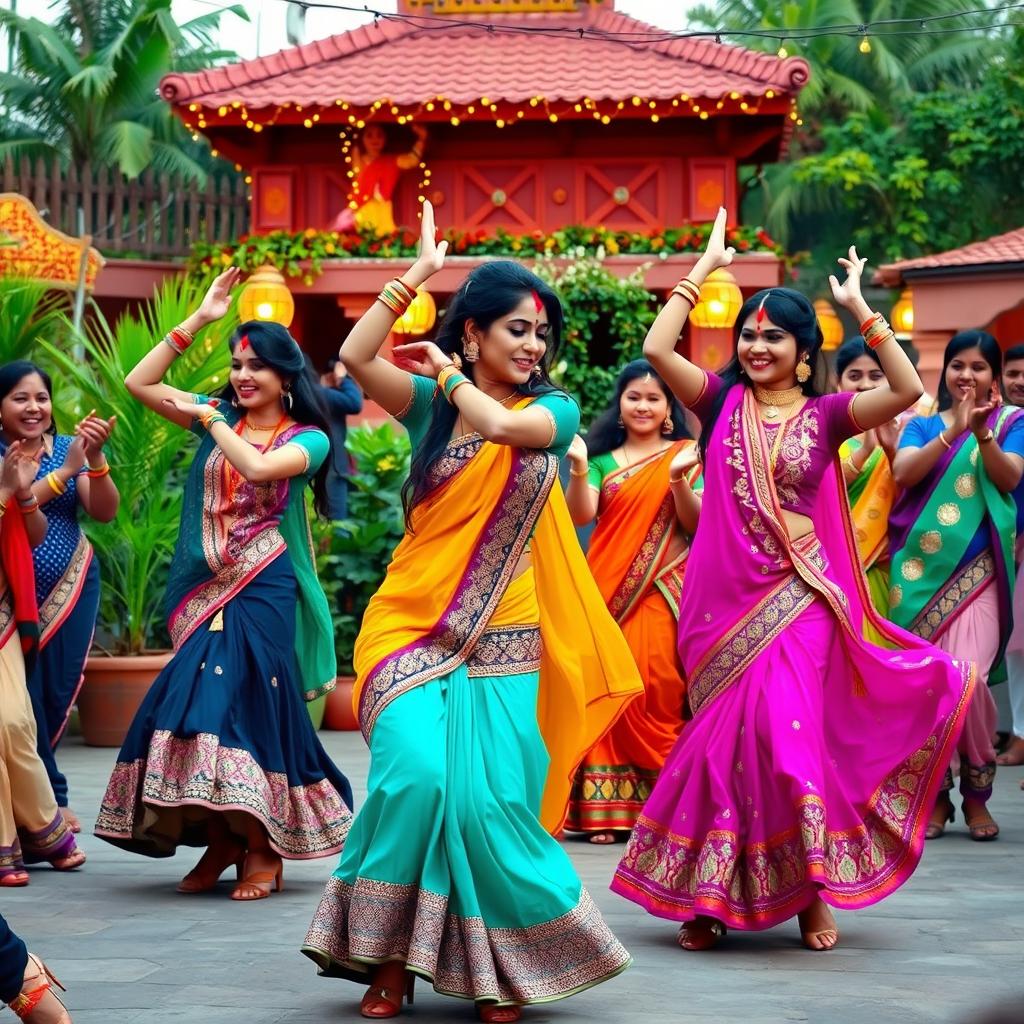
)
(113, 690)
(338, 713)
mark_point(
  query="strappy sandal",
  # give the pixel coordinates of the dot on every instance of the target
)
(936, 829)
(982, 828)
(380, 1003)
(272, 880)
(28, 999)
(701, 934)
(491, 1013)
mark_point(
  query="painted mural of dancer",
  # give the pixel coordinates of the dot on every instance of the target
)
(867, 469)
(634, 475)
(952, 533)
(32, 829)
(808, 772)
(222, 753)
(73, 474)
(486, 666)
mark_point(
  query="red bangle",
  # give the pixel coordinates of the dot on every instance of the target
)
(870, 320)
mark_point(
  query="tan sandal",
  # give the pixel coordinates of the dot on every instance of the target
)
(983, 828)
(260, 885)
(936, 828)
(32, 996)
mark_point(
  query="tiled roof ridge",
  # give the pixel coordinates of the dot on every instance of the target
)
(1007, 247)
(789, 74)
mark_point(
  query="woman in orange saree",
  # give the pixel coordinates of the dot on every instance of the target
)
(637, 482)
(486, 666)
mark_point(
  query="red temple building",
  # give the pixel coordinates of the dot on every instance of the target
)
(537, 115)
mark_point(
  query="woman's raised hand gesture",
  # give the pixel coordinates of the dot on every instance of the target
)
(848, 294)
(217, 300)
(423, 358)
(717, 254)
(18, 469)
(432, 252)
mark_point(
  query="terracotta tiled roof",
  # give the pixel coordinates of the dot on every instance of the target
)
(1007, 248)
(403, 63)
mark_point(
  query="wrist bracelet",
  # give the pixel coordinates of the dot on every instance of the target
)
(455, 385)
(989, 437)
(445, 374)
(586, 472)
(56, 486)
(3, 507)
(942, 438)
(210, 418)
(29, 503)
(676, 479)
(94, 474)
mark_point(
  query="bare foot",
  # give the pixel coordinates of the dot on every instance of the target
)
(71, 820)
(818, 927)
(602, 838)
(1014, 753)
(216, 859)
(75, 859)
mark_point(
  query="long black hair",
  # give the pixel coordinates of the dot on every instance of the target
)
(606, 433)
(490, 292)
(791, 311)
(850, 351)
(280, 351)
(12, 373)
(981, 340)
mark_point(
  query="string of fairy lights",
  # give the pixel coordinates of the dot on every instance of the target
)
(504, 114)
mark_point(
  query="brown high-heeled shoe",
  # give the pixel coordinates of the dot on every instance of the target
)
(32, 995)
(199, 880)
(380, 1003)
(259, 884)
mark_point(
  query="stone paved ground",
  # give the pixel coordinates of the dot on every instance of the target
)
(131, 951)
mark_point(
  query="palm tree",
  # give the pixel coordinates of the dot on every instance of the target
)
(902, 59)
(85, 87)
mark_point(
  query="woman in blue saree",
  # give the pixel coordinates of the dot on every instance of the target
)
(222, 753)
(73, 474)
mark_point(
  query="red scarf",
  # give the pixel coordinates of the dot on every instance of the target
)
(16, 557)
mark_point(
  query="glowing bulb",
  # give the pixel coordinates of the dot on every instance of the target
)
(265, 310)
(783, 52)
(865, 45)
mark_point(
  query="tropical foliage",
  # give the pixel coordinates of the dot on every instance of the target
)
(606, 319)
(302, 254)
(29, 313)
(148, 455)
(85, 87)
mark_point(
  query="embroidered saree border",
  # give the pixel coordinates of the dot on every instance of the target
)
(609, 796)
(646, 564)
(301, 821)
(356, 926)
(61, 600)
(491, 567)
(506, 651)
(6, 615)
(964, 586)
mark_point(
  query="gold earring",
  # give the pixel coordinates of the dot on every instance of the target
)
(803, 370)
(668, 426)
(471, 350)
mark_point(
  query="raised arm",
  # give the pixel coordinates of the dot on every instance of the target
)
(682, 474)
(686, 379)
(145, 381)
(17, 471)
(581, 496)
(388, 385)
(871, 409)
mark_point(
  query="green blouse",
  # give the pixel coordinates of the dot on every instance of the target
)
(416, 417)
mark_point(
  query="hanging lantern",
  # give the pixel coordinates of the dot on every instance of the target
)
(720, 301)
(266, 297)
(830, 324)
(419, 317)
(902, 315)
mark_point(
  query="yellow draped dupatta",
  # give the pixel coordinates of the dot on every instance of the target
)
(450, 572)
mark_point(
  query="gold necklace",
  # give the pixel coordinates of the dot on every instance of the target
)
(776, 402)
(259, 427)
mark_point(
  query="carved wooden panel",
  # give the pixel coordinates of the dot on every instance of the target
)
(630, 195)
(497, 194)
(274, 206)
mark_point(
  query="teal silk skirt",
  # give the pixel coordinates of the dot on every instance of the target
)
(447, 866)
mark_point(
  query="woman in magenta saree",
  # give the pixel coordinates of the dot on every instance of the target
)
(807, 774)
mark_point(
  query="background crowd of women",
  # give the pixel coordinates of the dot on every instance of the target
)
(633, 703)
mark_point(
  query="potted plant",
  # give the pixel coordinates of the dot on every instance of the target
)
(149, 457)
(353, 555)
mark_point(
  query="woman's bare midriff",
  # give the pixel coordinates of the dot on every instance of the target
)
(525, 562)
(797, 525)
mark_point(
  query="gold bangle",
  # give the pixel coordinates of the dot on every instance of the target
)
(450, 395)
(56, 486)
(990, 437)
(586, 472)
(942, 438)
(673, 480)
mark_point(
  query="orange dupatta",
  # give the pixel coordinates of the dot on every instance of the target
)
(448, 576)
(871, 503)
(634, 531)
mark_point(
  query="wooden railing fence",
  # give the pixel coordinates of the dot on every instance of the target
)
(152, 216)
